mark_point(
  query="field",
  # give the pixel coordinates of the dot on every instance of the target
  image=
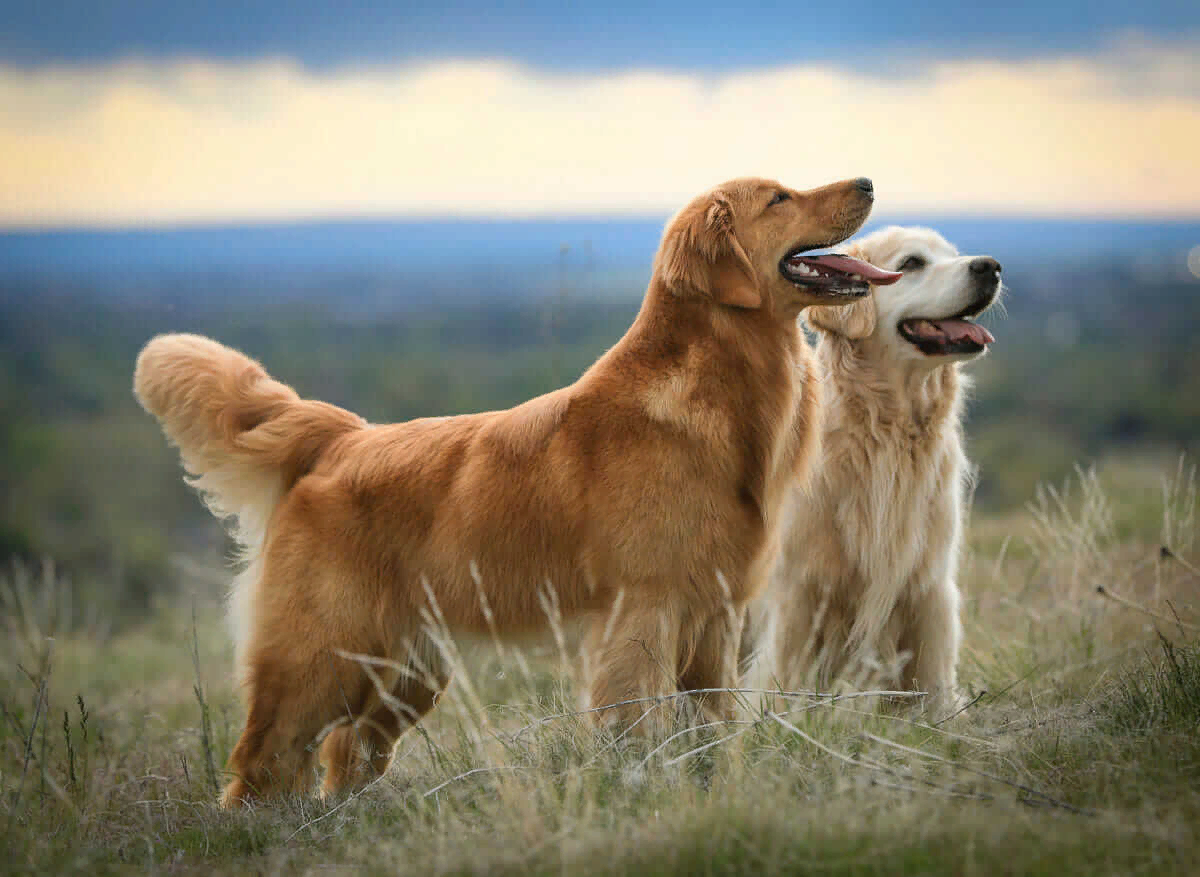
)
(1078, 753)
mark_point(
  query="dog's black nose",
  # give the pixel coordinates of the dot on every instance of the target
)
(865, 186)
(984, 266)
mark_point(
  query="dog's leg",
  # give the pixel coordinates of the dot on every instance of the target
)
(931, 634)
(752, 643)
(292, 697)
(356, 754)
(714, 664)
(633, 655)
(297, 683)
(806, 646)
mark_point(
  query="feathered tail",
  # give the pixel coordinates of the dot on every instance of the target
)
(244, 437)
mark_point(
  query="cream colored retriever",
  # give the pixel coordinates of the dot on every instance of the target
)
(643, 499)
(865, 585)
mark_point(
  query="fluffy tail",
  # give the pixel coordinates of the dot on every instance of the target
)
(244, 437)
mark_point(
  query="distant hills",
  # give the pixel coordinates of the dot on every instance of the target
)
(553, 249)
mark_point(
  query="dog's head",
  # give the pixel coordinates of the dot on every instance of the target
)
(750, 244)
(925, 316)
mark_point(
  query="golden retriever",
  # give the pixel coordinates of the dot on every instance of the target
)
(865, 584)
(642, 499)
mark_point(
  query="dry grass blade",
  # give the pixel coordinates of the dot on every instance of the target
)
(472, 772)
(339, 806)
(210, 765)
(950, 793)
(41, 703)
(662, 698)
(1029, 790)
(694, 729)
(677, 759)
(866, 763)
(961, 710)
(624, 734)
(1129, 604)
(889, 717)
(818, 744)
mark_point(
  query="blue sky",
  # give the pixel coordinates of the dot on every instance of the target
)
(134, 113)
(563, 36)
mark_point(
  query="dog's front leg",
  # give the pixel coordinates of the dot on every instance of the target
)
(633, 658)
(931, 635)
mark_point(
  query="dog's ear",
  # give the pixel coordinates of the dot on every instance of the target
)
(700, 253)
(855, 320)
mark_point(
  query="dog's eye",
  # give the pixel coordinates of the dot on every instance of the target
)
(912, 263)
(778, 198)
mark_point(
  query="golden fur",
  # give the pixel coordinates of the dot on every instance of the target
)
(865, 586)
(642, 499)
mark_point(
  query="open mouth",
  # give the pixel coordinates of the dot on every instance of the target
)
(957, 334)
(834, 274)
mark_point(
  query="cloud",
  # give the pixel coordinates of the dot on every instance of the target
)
(1116, 133)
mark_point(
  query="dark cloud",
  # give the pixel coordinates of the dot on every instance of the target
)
(560, 36)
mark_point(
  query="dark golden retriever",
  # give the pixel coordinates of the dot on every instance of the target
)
(642, 499)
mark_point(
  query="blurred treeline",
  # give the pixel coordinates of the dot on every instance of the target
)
(1087, 364)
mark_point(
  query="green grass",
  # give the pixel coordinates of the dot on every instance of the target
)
(1080, 754)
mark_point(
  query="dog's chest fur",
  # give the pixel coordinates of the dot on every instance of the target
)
(882, 511)
(748, 412)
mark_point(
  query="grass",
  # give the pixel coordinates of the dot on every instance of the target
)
(1079, 754)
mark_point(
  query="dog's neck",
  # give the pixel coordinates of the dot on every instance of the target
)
(710, 363)
(756, 343)
(916, 397)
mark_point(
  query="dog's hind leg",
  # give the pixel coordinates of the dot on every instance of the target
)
(357, 753)
(806, 646)
(714, 664)
(299, 616)
(292, 696)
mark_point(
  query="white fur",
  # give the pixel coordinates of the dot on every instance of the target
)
(864, 590)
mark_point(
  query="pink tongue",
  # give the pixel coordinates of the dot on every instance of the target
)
(847, 265)
(962, 330)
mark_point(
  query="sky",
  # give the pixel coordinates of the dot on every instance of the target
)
(132, 113)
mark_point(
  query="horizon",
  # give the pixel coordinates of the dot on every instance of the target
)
(615, 215)
(424, 245)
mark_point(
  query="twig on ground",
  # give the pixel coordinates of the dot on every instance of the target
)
(1129, 604)
(475, 770)
(968, 738)
(622, 735)
(353, 797)
(689, 730)
(1007, 688)
(1167, 554)
(953, 793)
(709, 745)
(817, 743)
(960, 710)
(867, 763)
(1029, 790)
